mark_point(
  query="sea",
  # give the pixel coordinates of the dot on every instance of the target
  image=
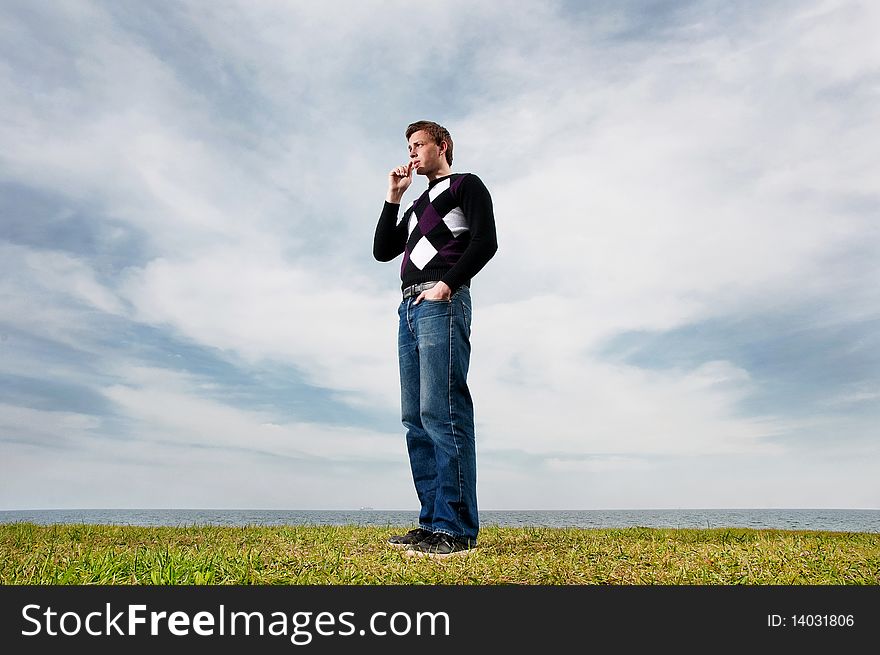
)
(833, 520)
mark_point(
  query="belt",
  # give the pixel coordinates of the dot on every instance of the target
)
(416, 289)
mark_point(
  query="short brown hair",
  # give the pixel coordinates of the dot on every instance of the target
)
(437, 132)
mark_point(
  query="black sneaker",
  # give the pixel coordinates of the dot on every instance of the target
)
(440, 546)
(410, 538)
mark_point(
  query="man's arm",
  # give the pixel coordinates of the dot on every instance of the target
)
(476, 204)
(390, 238)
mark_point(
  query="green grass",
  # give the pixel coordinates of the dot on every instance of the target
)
(315, 555)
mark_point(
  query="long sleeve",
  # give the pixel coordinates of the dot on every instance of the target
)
(390, 238)
(476, 204)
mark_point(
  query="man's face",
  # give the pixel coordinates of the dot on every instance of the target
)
(424, 153)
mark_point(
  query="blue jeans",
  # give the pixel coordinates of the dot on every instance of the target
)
(434, 350)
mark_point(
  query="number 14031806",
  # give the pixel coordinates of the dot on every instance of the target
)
(811, 621)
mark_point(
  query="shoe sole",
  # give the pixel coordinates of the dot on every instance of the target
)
(409, 552)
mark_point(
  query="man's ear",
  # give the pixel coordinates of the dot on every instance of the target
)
(444, 146)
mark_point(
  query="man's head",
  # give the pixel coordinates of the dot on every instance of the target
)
(437, 134)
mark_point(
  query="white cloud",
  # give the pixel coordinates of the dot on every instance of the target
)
(710, 170)
(338, 331)
(543, 396)
(170, 407)
(56, 429)
(184, 449)
(595, 465)
(52, 294)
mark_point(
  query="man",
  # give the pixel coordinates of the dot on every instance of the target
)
(446, 236)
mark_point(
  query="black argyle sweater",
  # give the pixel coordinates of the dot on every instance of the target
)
(447, 234)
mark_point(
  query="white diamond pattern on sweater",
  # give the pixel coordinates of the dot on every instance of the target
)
(438, 188)
(422, 254)
(456, 222)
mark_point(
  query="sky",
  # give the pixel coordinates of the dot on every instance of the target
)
(683, 311)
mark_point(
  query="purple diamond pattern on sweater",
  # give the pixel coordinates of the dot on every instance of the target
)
(429, 219)
(404, 262)
(452, 250)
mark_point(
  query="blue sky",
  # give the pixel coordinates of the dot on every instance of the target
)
(683, 311)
